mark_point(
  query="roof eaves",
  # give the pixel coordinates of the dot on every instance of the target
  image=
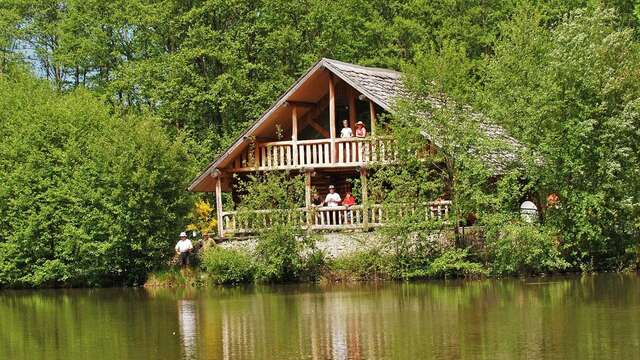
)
(255, 124)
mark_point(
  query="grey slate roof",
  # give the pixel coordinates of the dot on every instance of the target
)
(382, 86)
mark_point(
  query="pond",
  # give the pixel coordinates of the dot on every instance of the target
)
(577, 317)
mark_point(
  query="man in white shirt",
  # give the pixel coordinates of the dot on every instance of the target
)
(333, 198)
(183, 248)
(346, 131)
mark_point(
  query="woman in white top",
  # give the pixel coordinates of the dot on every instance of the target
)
(346, 131)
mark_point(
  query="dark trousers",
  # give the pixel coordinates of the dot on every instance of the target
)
(184, 258)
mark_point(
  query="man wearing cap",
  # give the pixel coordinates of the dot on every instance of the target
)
(333, 198)
(183, 248)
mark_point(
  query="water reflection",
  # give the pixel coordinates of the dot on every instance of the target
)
(557, 318)
(188, 327)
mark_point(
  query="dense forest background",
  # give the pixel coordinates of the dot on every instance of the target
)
(109, 108)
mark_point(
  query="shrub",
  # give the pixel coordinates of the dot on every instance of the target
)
(361, 265)
(279, 254)
(227, 266)
(521, 248)
(455, 263)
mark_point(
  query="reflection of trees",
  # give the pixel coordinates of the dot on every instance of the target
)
(515, 318)
(73, 324)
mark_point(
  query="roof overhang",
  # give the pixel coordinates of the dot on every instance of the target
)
(204, 182)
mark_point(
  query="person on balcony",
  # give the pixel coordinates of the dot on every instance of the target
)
(361, 131)
(332, 198)
(348, 201)
(316, 200)
(346, 131)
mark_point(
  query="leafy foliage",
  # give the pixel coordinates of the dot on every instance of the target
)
(227, 266)
(522, 248)
(85, 198)
(455, 263)
(203, 218)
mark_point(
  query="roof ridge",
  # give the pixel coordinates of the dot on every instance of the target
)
(356, 66)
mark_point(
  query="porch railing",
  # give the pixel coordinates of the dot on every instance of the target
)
(328, 217)
(282, 155)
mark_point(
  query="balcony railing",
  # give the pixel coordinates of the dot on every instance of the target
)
(327, 217)
(283, 155)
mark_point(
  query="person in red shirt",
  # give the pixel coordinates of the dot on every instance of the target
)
(348, 200)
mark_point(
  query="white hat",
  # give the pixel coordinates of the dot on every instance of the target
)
(183, 234)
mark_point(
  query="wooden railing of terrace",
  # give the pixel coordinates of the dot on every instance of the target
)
(333, 218)
(286, 155)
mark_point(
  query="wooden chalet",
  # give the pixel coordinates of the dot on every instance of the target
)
(300, 132)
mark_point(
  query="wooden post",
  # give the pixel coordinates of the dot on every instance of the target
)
(372, 113)
(294, 134)
(332, 117)
(352, 109)
(365, 205)
(307, 196)
(219, 204)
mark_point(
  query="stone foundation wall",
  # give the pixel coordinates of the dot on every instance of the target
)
(333, 244)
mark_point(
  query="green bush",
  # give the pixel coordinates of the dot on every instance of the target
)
(227, 266)
(455, 263)
(361, 265)
(522, 248)
(86, 198)
(278, 254)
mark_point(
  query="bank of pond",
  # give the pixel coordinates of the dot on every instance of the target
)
(294, 262)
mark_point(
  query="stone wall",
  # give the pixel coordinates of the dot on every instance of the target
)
(333, 244)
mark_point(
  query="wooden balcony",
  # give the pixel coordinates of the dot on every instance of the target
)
(322, 153)
(334, 218)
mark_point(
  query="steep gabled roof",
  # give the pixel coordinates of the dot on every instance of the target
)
(378, 85)
(382, 86)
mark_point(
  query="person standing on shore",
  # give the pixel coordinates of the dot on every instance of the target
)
(183, 249)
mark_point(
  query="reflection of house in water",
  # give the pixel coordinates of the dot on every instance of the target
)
(188, 330)
(239, 335)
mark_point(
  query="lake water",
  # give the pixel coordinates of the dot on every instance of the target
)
(588, 317)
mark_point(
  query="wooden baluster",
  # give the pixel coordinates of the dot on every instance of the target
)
(340, 152)
(347, 152)
(333, 217)
(302, 160)
(321, 154)
(308, 149)
(289, 161)
(354, 151)
(282, 155)
(327, 154)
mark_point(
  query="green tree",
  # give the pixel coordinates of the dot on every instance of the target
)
(575, 95)
(86, 198)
